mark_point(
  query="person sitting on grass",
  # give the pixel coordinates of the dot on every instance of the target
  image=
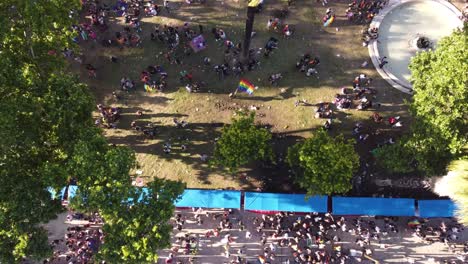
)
(364, 104)
(303, 61)
(185, 76)
(311, 71)
(323, 110)
(314, 62)
(126, 84)
(273, 23)
(91, 70)
(342, 103)
(394, 121)
(287, 31)
(377, 118)
(275, 78)
(144, 77)
(222, 34)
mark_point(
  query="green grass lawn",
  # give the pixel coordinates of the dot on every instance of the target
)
(341, 54)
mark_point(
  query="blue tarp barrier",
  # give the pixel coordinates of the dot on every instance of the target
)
(62, 192)
(144, 192)
(53, 193)
(436, 208)
(284, 202)
(373, 206)
(72, 191)
(210, 199)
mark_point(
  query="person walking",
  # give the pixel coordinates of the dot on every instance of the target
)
(166, 6)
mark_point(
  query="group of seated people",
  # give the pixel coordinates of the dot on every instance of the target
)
(152, 9)
(363, 10)
(342, 102)
(126, 84)
(126, 39)
(369, 34)
(275, 78)
(151, 85)
(194, 87)
(108, 116)
(148, 130)
(360, 91)
(323, 110)
(274, 23)
(361, 81)
(364, 104)
(308, 64)
(179, 124)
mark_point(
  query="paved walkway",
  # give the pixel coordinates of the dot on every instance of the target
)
(401, 247)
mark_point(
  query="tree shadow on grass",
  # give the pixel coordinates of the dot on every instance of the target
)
(189, 143)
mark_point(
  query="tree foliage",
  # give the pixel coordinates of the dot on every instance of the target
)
(139, 228)
(440, 82)
(136, 220)
(48, 137)
(40, 123)
(395, 158)
(324, 164)
(242, 142)
(30, 29)
(440, 127)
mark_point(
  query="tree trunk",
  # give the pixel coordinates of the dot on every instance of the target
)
(248, 33)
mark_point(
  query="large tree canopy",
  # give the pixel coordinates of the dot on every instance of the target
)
(136, 220)
(323, 164)
(48, 137)
(139, 228)
(395, 158)
(40, 123)
(440, 81)
(30, 29)
(440, 126)
(242, 142)
(43, 110)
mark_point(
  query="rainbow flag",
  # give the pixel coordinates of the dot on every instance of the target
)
(329, 21)
(413, 223)
(246, 86)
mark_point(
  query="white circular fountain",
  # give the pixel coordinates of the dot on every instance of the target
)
(406, 27)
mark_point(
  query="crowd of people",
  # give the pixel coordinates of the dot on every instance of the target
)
(81, 241)
(363, 11)
(154, 78)
(306, 238)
